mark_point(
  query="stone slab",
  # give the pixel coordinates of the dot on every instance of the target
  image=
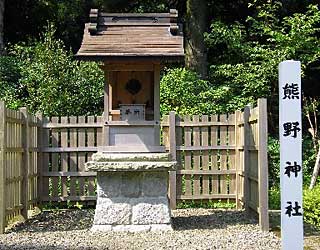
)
(161, 227)
(131, 228)
(132, 184)
(104, 157)
(132, 135)
(151, 213)
(109, 184)
(101, 228)
(155, 184)
(134, 201)
(130, 166)
(111, 213)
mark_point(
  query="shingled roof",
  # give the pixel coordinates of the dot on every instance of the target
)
(145, 35)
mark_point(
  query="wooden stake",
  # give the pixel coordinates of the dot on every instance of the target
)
(246, 159)
(2, 166)
(173, 152)
(26, 163)
(263, 165)
(39, 117)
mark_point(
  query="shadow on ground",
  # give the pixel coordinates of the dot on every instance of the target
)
(210, 219)
(67, 220)
(57, 220)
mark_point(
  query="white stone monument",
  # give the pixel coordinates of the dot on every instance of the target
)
(290, 133)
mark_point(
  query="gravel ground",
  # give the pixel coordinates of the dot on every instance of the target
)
(193, 229)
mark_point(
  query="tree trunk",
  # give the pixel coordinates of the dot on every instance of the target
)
(1, 26)
(196, 25)
(311, 107)
(316, 169)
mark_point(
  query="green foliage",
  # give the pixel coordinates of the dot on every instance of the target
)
(274, 161)
(157, 6)
(215, 204)
(308, 156)
(51, 81)
(182, 91)
(68, 16)
(10, 91)
(25, 19)
(245, 62)
(311, 206)
(246, 57)
(274, 198)
(311, 203)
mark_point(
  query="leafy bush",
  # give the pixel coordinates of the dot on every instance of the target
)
(308, 157)
(10, 91)
(311, 206)
(47, 78)
(274, 161)
(311, 203)
(274, 198)
(210, 204)
(181, 91)
(245, 57)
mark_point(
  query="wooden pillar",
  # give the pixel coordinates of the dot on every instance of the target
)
(2, 166)
(237, 157)
(40, 157)
(107, 98)
(173, 152)
(26, 163)
(246, 195)
(263, 165)
(156, 101)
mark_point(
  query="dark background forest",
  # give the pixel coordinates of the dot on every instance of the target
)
(232, 49)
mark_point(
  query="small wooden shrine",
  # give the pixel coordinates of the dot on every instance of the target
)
(133, 48)
(132, 173)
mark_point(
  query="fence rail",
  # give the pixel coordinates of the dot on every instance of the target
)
(219, 157)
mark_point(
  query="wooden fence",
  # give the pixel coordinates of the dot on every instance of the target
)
(18, 164)
(219, 157)
(67, 143)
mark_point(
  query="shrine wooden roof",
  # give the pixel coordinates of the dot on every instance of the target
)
(143, 35)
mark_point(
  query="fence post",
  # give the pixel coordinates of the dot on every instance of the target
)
(40, 157)
(263, 165)
(173, 152)
(246, 130)
(237, 156)
(2, 166)
(26, 162)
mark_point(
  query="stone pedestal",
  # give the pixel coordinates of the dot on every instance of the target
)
(131, 191)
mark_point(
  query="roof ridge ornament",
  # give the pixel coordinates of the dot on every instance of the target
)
(93, 27)
(174, 28)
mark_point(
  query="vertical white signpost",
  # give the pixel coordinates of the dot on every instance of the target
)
(290, 129)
